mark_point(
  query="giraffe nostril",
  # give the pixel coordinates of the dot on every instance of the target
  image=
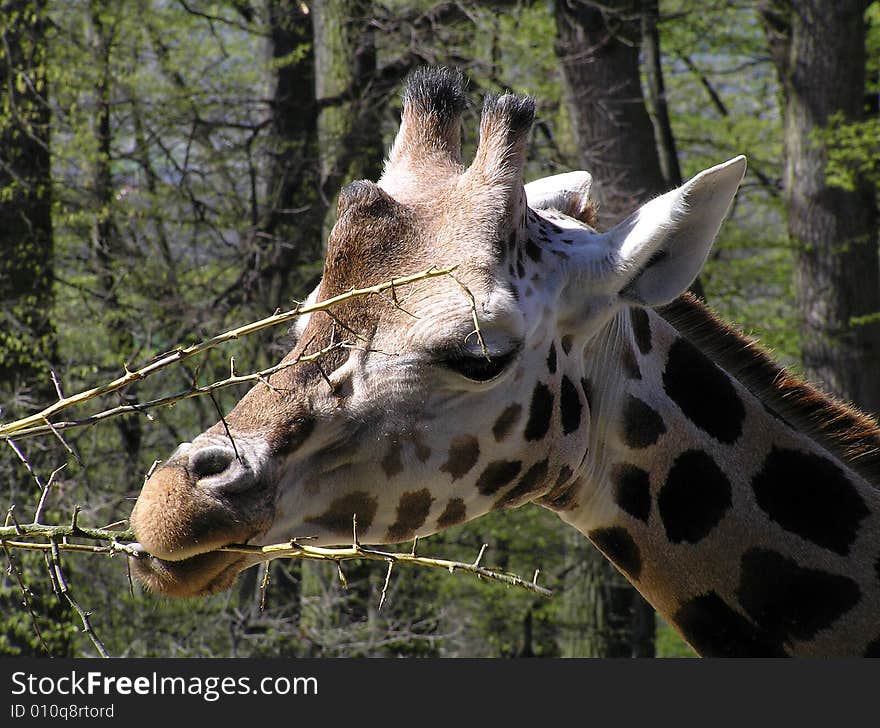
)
(210, 461)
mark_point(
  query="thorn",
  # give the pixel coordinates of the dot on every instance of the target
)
(264, 586)
(195, 377)
(57, 384)
(152, 470)
(385, 585)
(10, 516)
(74, 518)
(341, 575)
(225, 427)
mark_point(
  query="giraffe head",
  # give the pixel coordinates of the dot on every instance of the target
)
(460, 396)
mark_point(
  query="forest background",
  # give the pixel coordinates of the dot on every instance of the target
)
(168, 170)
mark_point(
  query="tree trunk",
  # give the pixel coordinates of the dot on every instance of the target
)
(656, 97)
(106, 241)
(349, 119)
(819, 51)
(598, 49)
(27, 338)
(293, 209)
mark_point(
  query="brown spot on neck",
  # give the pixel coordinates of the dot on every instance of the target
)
(339, 517)
(412, 511)
(464, 451)
(391, 462)
(454, 513)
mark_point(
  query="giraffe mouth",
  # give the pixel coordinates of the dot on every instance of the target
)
(194, 576)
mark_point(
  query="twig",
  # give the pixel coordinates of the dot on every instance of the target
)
(111, 550)
(10, 516)
(264, 586)
(40, 530)
(473, 305)
(65, 591)
(61, 439)
(480, 555)
(26, 599)
(341, 574)
(26, 463)
(318, 553)
(225, 426)
(38, 513)
(57, 384)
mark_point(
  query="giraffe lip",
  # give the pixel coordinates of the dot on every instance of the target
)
(137, 550)
(169, 557)
(196, 575)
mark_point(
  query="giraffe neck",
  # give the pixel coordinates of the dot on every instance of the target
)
(747, 534)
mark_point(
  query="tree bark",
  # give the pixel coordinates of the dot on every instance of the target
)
(27, 337)
(349, 117)
(293, 209)
(106, 241)
(598, 48)
(656, 96)
(819, 52)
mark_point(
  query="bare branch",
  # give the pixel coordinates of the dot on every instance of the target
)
(85, 617)
(193, 391)
(121, 542)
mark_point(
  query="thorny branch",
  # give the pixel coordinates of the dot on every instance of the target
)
(193, 391)
(52, 540)
(20, 536)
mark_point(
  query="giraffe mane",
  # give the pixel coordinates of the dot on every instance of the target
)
(839, 427)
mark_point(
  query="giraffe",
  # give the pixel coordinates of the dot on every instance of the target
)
(738, 499)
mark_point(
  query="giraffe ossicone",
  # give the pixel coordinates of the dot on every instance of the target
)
(739, 500)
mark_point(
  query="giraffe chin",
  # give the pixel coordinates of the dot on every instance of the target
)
(196, 576)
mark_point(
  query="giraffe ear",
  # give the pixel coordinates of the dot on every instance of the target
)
(569, 193)
(662, 246)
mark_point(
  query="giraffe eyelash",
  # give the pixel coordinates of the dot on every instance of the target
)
(478, 368)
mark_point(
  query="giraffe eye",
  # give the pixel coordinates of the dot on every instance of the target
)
(479, 368)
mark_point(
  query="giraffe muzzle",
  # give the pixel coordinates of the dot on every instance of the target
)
(206, 496)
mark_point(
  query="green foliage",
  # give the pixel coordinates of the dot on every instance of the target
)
(853, 149)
